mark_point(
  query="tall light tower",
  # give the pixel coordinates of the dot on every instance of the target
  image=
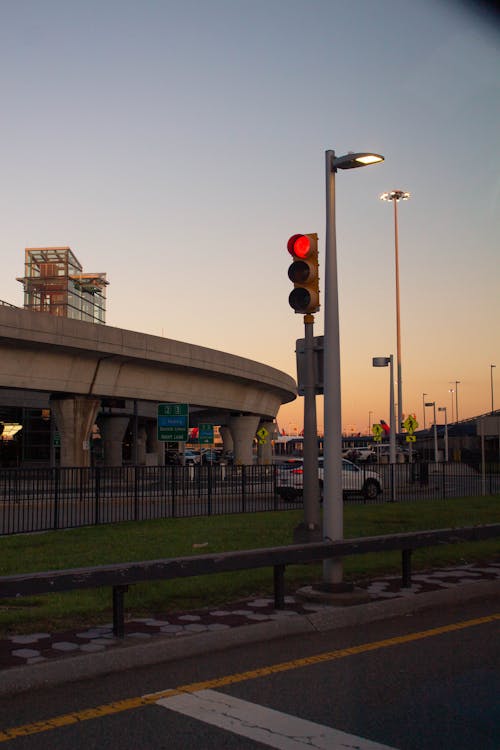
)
(456, 383)
(395, 196)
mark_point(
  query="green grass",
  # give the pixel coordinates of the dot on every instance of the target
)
(149, 540)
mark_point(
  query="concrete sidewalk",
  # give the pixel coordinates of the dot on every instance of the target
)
(29, 661)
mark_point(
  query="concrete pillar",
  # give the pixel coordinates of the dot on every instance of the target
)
(155, 455)
(75, 416)
(243, 432)
(227, 438)
(141, 445)
(113, 428)
(265, 450)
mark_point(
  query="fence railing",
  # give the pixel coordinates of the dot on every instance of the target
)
(120, 575)
(39, 499)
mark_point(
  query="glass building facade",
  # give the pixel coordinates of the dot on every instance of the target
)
(54, 282)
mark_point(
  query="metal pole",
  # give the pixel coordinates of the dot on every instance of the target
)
(398, 318)
(456, 398)
(491, 385)
(311, 529)
(435, 435)
(423, 405)
(392, 416)
(333, 511)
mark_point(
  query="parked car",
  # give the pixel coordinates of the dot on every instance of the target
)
(355, 481)
(190, 458)
(360, 455)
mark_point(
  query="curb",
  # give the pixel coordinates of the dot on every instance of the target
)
(164, 649)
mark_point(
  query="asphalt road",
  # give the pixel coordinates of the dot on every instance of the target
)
(424, 681)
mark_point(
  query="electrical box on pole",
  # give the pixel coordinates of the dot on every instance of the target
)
(300, 353)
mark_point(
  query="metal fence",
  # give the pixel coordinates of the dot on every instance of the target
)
(59, 498)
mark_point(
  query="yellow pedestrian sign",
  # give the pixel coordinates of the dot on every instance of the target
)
(262, 434)
(410, 424)
(377, 432)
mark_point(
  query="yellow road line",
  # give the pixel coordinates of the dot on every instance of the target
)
(132, 703)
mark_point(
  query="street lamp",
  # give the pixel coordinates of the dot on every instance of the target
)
(433, 404)
(491, 378)
(423, 405)
(443, 408)
(456, 383)
(383, 362)
(333, 510)
(395, 196)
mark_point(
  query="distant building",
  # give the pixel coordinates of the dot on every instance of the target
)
(54, 283)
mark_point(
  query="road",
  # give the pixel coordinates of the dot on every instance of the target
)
(429, 680)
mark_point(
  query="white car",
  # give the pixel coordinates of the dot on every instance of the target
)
(356, 480)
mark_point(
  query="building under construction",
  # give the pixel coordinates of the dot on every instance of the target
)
(54, 282)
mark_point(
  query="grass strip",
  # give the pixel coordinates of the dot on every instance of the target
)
(146, 540)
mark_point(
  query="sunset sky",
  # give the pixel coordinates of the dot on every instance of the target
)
(177, 144)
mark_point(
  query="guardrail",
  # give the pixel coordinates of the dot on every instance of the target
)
(121, 575)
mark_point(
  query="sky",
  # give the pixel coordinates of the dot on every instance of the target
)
(177, 144)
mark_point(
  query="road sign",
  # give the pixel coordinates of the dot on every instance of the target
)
(410, 424)
(173, 422)
(206, 433)
(377, 430)
(411, 438)
(262, 434)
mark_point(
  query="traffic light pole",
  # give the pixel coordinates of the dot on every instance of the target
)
(309, 530)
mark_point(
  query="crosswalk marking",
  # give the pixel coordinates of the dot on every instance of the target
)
(264, 725)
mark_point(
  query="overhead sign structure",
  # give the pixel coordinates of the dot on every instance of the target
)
(173, 422)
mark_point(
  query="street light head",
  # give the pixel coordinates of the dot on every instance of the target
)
(381, 361)
(430, 403)
(441, 408)
(395, 195)
(352, 161)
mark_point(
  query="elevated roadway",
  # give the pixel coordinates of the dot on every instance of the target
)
(80, 363)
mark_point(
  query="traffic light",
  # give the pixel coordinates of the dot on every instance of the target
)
(303, 248)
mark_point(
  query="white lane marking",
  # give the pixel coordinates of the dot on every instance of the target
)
(264, 725)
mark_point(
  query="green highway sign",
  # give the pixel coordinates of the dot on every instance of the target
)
(206, 433)
(173, 422)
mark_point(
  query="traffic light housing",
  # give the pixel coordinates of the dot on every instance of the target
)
(304, 298)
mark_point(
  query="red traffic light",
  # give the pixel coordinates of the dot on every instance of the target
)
(300, 245)
(303, 272)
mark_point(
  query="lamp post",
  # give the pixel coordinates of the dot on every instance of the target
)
(456, 384)
(491, 379)
(452, 391)
(383, 362)
(370, 414)
(443, 408)
(333, 510)
(395, 196)
(423, 405)
(433, 404)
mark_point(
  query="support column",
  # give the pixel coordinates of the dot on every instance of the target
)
(75, 416)
(227, 439)
(141, 445)
(155, 455)
(243, 430)
(265, 450)
(113, 428)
